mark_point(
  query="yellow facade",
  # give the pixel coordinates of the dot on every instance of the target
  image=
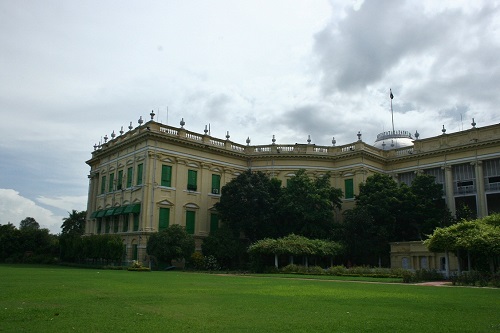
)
(142, 180)
(414, 255)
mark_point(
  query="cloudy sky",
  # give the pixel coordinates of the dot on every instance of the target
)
(74, 71)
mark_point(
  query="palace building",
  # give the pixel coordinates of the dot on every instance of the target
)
(154, 175)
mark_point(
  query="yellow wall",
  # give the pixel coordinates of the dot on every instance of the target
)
(154, 144)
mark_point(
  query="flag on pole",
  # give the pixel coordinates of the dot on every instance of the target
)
(391, 95)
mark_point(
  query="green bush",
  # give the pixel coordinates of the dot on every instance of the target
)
(211, 263)
(197, 260)
(495, 280)
(317, 270)
(292, 268)
(336, 270)
(138, 269)
(421, 275)
(476, 278)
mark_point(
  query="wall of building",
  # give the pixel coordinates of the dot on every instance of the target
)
(414, 255)
(133, 208)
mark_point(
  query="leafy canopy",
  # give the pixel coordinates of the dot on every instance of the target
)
(171, 243)
(74, 223)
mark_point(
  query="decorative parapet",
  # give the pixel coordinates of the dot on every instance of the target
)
(472, 136)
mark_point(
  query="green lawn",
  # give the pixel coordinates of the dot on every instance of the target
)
(54, 299)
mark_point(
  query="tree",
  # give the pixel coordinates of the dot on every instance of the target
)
(358, 235)
(74, 223)
(306, 206)
(224, 246)
(392, 212)
(429, 208)
(379, 196)
(9, 241)
(294, 245)
(171, 243)
(480, 237)
(29, 223)
(247, 205)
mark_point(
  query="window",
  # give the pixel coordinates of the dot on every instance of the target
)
(493, 180)
(166, 175)
(136, 222)
(99, 226)
(111, 178)
(424, 263)
(442, 263)
(405, 263)
(119, 182)
(129, 177)
(125, 223)
(190, 217)
(214, 222)
(164, 219)
(115, 225)
(216, 184)
(103, 185)
(349, 188)
(135, 252)
(192, 180)
(139, 174)
(107, 227)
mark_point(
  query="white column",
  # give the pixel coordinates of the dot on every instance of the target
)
(450, 196)
(480, 193)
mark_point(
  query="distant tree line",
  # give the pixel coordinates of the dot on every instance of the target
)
(32, 244)
(29, 243)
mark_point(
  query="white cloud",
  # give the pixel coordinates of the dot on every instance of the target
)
(14, 208)
(66, 203)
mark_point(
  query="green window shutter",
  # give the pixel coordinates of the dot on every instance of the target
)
(192, 180)
(103, 185)
(190, 218)
(125, 223)
(216, 184)
(129, 177)
(164, 220)
(349, 188)
(119, 182)
(111, 179)
(214, 222)
(166, 175)
(139, 174)
(136, 222)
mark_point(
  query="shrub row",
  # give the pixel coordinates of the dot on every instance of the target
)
(343, 271)
(421, 275)
(475, 278)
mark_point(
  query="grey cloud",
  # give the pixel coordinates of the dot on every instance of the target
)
(362, 47)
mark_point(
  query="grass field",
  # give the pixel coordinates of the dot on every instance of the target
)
(55, 299)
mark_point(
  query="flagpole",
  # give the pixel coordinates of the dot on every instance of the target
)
(392, 113)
